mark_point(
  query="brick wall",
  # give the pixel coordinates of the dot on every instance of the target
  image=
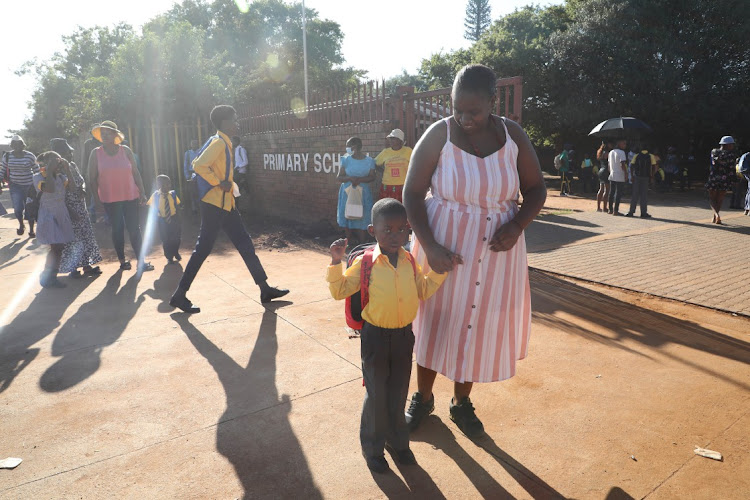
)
(304, 188)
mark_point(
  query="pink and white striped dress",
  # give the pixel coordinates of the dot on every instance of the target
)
(477, 324)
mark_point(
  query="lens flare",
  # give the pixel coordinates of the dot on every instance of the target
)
(148, 237)
(273, 60)
(243, 5)
(298, 107)
(31, 280)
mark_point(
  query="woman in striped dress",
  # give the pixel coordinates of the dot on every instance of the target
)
(477, 325)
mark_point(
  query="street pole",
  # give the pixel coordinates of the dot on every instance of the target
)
(304, 49)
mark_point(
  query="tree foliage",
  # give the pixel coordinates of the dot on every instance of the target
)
(183, 63)
(478, 19)
(680, 65)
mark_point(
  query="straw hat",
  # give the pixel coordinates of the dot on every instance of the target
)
(97, 131)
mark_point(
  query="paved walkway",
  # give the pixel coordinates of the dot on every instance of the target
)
(106, 392)
(678, 254)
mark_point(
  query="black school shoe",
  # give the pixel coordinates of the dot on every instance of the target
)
(272, 293)
(179, 301)
(465, 418)
(377, 464)
(418, 410)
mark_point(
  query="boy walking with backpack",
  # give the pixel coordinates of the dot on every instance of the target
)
(164, 203)
(391, 285)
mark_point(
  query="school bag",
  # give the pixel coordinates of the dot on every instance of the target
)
(356, 303)
(642, 165)
(558, 161)
(744, 165)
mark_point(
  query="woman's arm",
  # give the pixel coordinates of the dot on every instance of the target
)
(342, 177)
(533, 190)
(136, 173)
(424, 160)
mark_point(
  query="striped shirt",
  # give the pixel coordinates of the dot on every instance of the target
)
(19, 170)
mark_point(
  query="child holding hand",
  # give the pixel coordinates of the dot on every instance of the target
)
(396, 286)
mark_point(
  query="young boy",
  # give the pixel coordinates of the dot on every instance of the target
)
(397, 284)
(165, 202)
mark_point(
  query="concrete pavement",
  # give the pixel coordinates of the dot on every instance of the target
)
(106, 392)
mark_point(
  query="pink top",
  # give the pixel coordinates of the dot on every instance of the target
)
(116, 182)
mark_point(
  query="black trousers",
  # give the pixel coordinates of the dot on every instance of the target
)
(170, 234)
(386, 367)
(124, 214)
(615, 195)
(640, 195)
(214, 219)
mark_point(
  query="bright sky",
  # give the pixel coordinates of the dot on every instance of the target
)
(384, 39)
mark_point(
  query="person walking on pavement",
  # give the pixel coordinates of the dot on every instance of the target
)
(240, 164)
(18, 169)
(721, 175)
(187, 170)
(214, 167)
(618, 175)
(643, 172)
(564, 171)
(603, 175)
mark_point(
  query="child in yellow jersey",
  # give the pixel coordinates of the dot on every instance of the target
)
(164, 203)
(396, 286)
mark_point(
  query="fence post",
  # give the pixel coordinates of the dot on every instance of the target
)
(153, 143)
(405, 110)
(517, 99)
(178, 155)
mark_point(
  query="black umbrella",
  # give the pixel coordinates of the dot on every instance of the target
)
(624, 126)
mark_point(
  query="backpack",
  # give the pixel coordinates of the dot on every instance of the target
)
(356, 303)
(744, 167)
(558, 161)
(642, 165)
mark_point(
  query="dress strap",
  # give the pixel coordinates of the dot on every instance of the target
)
(447, 128)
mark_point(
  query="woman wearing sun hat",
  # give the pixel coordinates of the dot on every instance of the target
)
(18, 168)
(116, 183)
(721, 175)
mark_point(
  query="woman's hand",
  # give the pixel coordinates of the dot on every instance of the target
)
(355, 181)
(441, 259)
(505, 237)
(338, 250)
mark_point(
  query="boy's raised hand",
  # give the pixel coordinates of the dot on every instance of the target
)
(338, 250)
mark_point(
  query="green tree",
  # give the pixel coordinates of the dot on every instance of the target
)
(478, 19)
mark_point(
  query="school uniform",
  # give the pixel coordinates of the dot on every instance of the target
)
(170, 228)
(214, 164)
(387, 341)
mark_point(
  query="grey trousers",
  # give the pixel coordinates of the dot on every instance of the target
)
(386, 367)
(640, 194)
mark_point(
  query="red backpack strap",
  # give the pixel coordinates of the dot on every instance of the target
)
(364, 276)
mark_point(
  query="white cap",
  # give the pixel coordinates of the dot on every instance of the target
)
(727, 139)
(397, 133)
(17, 138)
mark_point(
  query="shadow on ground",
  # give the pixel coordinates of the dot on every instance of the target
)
(628, 322)
(32, 325)
(435, 433)
(80, 348)
(254, 432)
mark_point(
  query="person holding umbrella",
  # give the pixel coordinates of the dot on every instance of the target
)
(721, 174)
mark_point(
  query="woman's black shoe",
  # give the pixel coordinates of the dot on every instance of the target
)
(418, 409)
(465, 418)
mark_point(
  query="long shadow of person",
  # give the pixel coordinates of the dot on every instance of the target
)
(437, 434)
(254, 432)
(9, 251)
(32, 325)
(164, 287)
(96, 325)
(418, 484)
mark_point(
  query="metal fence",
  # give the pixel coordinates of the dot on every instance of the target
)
(368, 102)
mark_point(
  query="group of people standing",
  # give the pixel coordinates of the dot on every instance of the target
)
(49, 190)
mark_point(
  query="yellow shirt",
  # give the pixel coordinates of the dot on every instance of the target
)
(165, 200)
(394, 292)
(211, 165)
(396, 163)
